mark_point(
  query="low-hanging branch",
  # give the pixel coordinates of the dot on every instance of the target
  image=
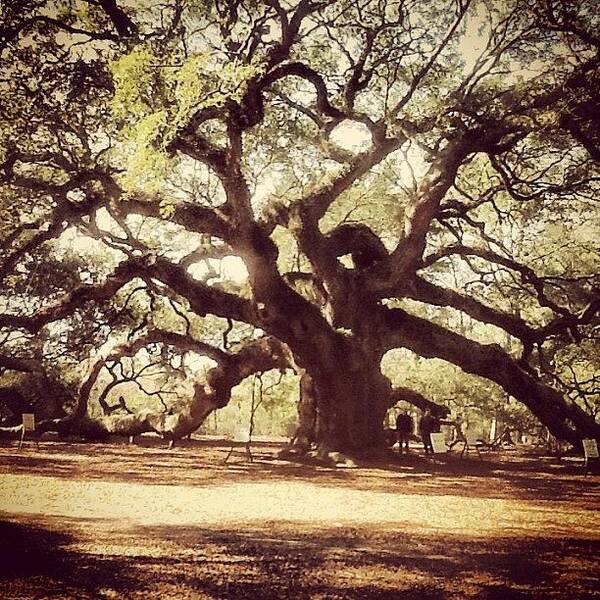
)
(565, 420)
(211, 391)
(203, 298)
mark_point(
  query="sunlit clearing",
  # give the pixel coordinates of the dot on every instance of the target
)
(351, 136)
(288, 501)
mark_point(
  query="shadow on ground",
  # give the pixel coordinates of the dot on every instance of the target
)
(97, 561)
(46, 556)
(497, 475)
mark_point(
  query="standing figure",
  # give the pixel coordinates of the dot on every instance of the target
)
(426, 426)
(404, 427)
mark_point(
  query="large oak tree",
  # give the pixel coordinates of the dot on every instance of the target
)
(372, 163)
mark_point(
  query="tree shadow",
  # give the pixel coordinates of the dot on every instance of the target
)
(27, 550)
(285, 561)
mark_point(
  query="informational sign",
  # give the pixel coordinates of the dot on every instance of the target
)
(241, 436)
(590, 448)
(438, 443)
(28, 422)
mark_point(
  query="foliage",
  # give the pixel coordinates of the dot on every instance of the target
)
(411, 188)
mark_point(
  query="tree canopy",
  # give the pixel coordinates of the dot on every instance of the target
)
(216, 189)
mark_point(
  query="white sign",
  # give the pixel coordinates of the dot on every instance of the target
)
(28, 422)
(590, 448)
(241, 436)
(438, 443)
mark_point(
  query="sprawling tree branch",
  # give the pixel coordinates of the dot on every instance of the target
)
(298, 69)
(565, 420)
(193, 217)
(401, 393)
(424, 291)
(565, 319)
(124, 273)
(209, 393)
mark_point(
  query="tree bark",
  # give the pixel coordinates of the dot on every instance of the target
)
(344, 401)
(307, 430)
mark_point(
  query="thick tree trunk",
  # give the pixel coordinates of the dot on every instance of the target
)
(344, 402)
(351, 418)
(306, 432)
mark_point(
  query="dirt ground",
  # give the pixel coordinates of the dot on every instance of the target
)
(118, 521)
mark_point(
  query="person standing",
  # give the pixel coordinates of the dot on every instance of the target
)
(404, 427)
